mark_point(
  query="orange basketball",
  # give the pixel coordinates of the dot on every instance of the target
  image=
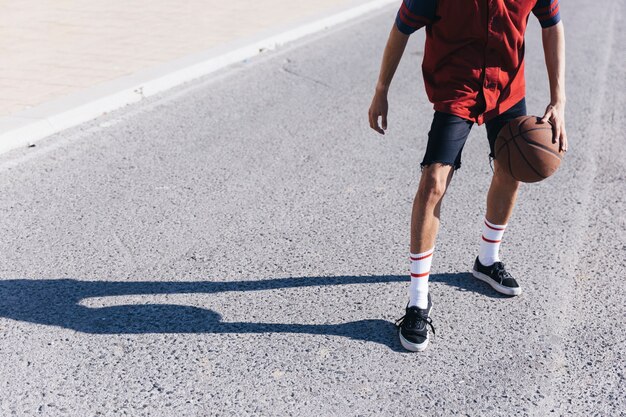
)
(524, 147)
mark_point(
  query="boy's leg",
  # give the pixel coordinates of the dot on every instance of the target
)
(501, 196)
(443, 155)
(503, 190)
(500, 202)
(433, 184)
(446, 139)
(424, 227)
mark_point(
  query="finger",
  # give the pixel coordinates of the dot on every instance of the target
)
(372, 119)
(556, 131)
(384, 121)
(374, 123)
(546, 117)
(378, 128)
(563, 140)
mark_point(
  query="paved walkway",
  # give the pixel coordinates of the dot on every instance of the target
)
(53, 48)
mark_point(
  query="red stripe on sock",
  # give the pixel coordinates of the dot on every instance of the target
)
(493, 228)
(422, 275)
(491, 241)
(421, 257)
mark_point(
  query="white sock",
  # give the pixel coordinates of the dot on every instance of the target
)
(420, 271)
(490, 243)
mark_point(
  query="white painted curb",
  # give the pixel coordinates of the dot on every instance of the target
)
(28, 126)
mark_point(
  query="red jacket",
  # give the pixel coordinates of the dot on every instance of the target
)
(474, 55)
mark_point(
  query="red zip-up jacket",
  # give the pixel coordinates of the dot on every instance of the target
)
(473, 63)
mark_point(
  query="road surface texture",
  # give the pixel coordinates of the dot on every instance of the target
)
(239, 246)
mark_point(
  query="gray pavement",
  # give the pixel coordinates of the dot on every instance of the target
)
(238, 246)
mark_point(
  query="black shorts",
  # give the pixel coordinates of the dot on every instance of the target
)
(448, 134)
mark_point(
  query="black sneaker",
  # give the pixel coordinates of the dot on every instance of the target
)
(496, 276)
(413, 329)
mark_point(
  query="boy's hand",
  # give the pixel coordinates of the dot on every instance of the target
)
(378, 108)
(555, 115)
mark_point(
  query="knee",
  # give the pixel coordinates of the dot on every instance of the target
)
(502, 176)
(433, 184)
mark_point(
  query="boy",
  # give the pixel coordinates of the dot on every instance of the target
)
(473, 72)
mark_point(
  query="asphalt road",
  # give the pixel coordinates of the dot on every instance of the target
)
(238, 246)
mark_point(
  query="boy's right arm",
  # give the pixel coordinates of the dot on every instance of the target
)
(413, 15)
(391, 58)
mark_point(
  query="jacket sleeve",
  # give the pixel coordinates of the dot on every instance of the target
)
(547, 11)
(414, 14)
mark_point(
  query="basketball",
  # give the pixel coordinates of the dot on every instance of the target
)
(524, 148)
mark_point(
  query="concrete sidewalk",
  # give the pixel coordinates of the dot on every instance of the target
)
(52, 49)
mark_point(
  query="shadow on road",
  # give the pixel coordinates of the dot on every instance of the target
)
(466, 282)
(56, 302)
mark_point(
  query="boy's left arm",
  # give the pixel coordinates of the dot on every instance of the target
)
(553, 38)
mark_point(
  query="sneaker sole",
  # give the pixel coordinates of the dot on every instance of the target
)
(413, 347)
(496, 286)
